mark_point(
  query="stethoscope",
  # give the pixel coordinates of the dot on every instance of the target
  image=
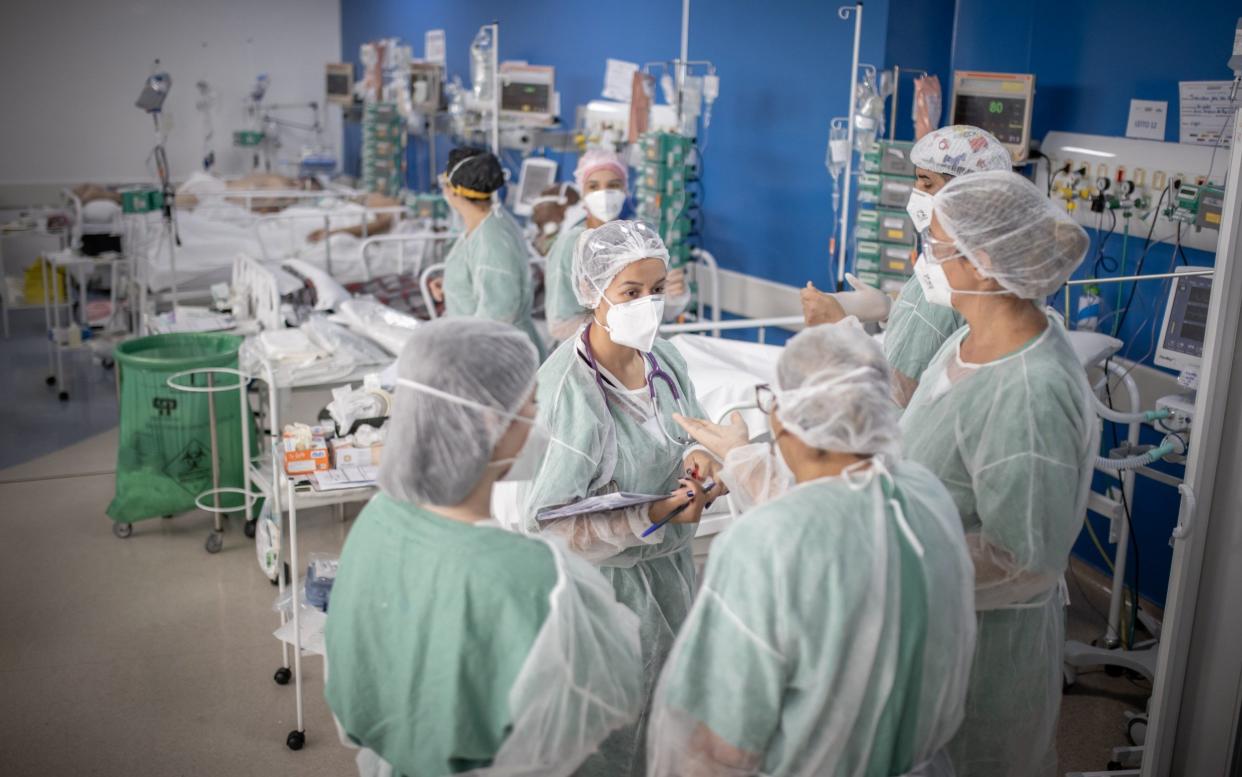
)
(655, 373)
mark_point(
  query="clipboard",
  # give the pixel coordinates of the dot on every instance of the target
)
(602, 503)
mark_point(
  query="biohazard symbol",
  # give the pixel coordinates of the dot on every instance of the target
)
(164, 405)
(190, 467)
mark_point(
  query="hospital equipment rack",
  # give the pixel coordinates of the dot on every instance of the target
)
(6, 303)
(266, 477)
(80, 267)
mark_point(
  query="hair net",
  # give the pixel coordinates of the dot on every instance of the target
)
(602, 253)
(436, 448)
(474, 172)
(598, 159)
(960, 149)
(1011, 232)
(833, 393)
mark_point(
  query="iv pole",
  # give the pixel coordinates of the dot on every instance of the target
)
(496, 89)
(844, 13)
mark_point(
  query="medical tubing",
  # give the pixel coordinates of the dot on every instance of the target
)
(1134, 462)
(1144, 416)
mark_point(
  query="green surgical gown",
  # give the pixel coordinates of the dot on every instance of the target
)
(832, 635)
(916, 330)
(560, 303)
(1013, 440)
(600, 446)
(455, 646)
(487, 275)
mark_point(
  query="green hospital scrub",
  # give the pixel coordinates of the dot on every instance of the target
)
(430, 622)
(827, 638)
(598, 447)
(1013, 440)
(916, 330)
(487, 275)
(561, 304)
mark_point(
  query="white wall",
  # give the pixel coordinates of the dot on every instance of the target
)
(75, 68)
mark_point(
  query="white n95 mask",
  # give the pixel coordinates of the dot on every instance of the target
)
(919, 206)
(605, 204)
(635, 323)
(934, 282)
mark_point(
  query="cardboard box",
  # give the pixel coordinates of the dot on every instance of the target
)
(348, 455)
(307, 459)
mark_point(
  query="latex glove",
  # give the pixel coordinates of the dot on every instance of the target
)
(692, 494)
(718, 439)
(820, 308)
(865, 302)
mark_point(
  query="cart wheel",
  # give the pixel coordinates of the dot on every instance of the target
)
(64, 396)
(250, 528)
(122, 530)
(296, 739)
(1136, 730)
(215, 541)
(107, 363)
(283, 676)
(51, 380)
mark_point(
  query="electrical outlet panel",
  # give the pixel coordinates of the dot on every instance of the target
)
(1093, 175)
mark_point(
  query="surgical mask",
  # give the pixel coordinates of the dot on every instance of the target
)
(919, 206)
(635, 323)
(934, 282)
(936, 286)
(605, 204)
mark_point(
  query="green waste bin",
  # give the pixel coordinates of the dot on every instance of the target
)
(163, 462)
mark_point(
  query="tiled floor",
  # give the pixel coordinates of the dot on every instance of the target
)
(33, 421)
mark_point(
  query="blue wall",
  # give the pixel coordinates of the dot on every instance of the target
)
(1089, 60)
(767, 209)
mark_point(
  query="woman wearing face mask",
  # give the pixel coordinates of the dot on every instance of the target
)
(456, 646)
(607, 396)
(916, 328)
(487, 272)
(835, 625)
(1003, 417)
(601, 177)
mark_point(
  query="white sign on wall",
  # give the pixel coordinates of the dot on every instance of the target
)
(1147, 119)
(1207, 112)
(433, 47)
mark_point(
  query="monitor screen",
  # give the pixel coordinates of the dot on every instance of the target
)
(1004, 117)
(526, 97)
(1187, 326)
(339, 84)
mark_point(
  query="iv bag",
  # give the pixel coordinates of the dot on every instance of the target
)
(868, 113)
(838, 148)
(482, 53)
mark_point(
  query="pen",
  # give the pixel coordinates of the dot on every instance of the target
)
(708, 486)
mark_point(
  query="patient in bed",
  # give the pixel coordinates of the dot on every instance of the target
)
(200, 185)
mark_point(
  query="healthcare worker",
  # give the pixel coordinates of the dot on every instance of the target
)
(607, 396)
(917, 328)
(601, 177)
(487, 272)
(1003, 416)
(454, 646)
(835, 625)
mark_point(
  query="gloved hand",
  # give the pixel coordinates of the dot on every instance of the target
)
(865, 302)
(718, 439)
